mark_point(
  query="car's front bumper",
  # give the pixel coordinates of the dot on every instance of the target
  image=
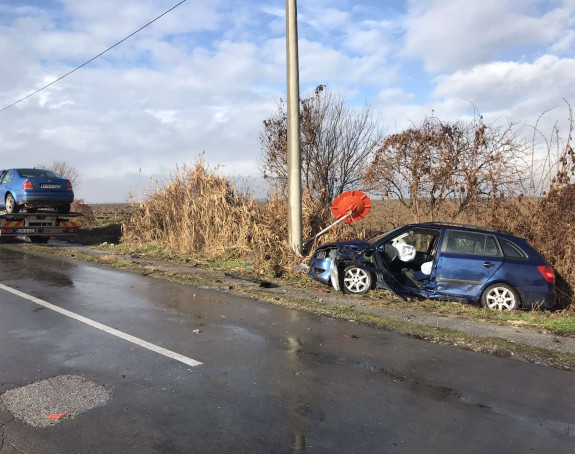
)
(319, 269)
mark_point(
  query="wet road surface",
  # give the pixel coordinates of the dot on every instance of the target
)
(271, 379)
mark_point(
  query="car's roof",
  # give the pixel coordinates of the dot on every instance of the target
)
(467, 227)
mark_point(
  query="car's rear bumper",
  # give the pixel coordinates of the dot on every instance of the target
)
(48, 199)
(538, 297)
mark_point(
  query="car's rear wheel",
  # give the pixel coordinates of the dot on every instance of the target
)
(64, 208)
(11, 205)
(356, 280)
(501, 297)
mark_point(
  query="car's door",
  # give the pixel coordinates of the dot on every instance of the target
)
(466, 261)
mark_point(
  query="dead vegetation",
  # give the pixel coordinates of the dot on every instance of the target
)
(466, 172)
(80, 206)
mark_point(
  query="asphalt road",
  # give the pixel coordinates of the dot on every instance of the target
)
(270, 379)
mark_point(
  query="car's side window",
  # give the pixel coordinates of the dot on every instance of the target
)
(420, 241)
(7, 178)
(491, 247)
(469, 243)
(511, 250)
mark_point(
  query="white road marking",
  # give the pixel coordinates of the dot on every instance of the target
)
(107, 329)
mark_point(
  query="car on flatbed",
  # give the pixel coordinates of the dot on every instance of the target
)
(31, 189)
(449, 261)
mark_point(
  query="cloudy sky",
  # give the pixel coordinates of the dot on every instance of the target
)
(205, 76)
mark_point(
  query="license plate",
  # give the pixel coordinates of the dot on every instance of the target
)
(25, 230)
(50, 186)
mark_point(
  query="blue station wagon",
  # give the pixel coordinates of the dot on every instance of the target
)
(441, 261)
(35, 188)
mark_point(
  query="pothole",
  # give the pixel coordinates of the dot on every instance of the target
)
(48, 402)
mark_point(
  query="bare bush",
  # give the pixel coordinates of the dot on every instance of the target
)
(335, 143)
(65, 170)
(441, 167)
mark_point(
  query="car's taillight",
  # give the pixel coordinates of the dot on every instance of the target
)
(69, 186)
(27, 186)
(548, 273)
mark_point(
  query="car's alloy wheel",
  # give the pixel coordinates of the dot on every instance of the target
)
(10, 203)
(356, 280)
(500, 297)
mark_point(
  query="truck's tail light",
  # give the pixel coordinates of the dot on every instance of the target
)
(548, 273)
(69, 186)
(27, 186)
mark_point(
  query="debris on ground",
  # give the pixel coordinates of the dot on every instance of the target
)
(215, 287)
(262, 284)
(523, 323)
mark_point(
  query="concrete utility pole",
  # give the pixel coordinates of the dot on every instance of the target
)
(293, 153)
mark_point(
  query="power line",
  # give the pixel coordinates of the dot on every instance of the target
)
(92, 59)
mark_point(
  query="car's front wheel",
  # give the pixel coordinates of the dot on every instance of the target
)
(11, 205)
(356, 280)
(500, 297)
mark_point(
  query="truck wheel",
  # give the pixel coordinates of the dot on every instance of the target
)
(39, 239)
(11, 205)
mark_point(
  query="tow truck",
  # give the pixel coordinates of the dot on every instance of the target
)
(38, 226)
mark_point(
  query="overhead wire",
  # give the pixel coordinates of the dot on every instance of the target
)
(91, 60)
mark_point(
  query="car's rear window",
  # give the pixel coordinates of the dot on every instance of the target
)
(511, 250)
(37, 173)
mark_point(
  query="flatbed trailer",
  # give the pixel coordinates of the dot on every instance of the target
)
(39, 226)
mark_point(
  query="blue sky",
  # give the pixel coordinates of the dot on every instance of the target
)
(204, 77)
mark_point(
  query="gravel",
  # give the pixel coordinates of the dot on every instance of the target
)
(69, 394)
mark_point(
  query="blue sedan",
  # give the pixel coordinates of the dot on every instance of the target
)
(31, 189)
(441, 261)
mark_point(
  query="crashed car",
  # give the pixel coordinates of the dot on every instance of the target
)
(441, 261)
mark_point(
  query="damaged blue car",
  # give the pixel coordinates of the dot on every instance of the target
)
(441, 261)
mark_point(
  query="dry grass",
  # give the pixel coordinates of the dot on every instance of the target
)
(201, 213)
(80, 206)
(196, 212)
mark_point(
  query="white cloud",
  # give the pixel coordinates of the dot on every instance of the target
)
(204, 77)
(504, 86)
(456, 34)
